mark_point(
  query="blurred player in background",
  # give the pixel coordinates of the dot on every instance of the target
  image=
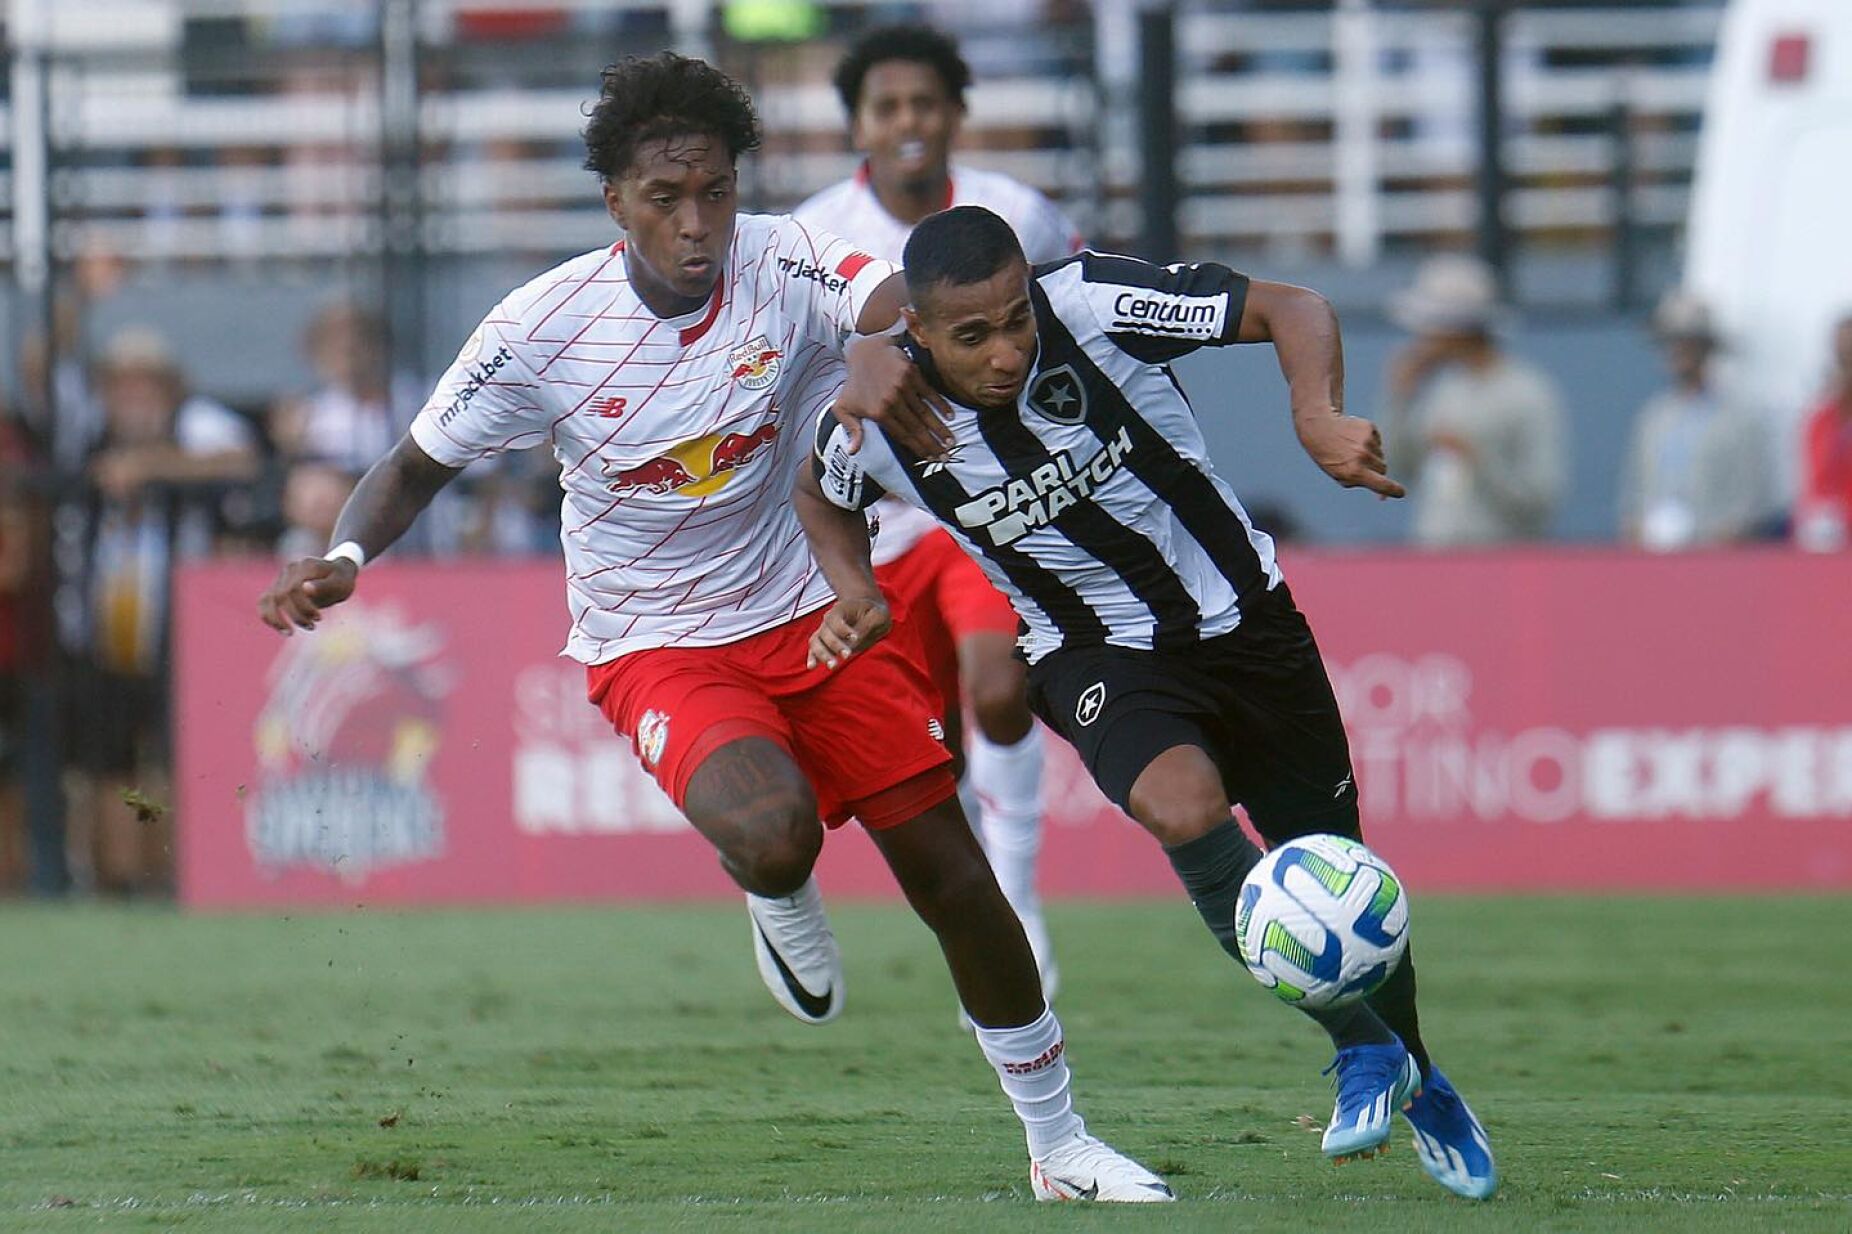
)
(676, 375)
(1163, 641)
(904, 89)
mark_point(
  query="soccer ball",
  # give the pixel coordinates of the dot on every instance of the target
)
(1322, 921)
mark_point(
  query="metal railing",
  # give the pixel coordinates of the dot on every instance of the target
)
(1347, 130)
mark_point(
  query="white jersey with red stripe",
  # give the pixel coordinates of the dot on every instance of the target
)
(678, 438)
(850, 208)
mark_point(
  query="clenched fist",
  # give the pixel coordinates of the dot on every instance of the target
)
(303, 590)
(850, 626)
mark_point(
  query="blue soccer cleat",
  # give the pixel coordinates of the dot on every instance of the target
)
(1374, 1081)
(1450, 1142)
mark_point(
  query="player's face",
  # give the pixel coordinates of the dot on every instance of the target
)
(677, 204)
(905, 123)
(1688, 359)
(981, 336)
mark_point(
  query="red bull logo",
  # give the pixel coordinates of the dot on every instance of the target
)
(756, 365)
(694, 468)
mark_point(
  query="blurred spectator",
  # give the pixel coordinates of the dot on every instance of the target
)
(15, 577)
(314, 490)
(348, 419)
(1477, 434)
(56, 362)
(1823, 516)
(1698, 469)
(157, 477)
(156, 431)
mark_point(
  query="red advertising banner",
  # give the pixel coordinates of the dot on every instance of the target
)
(1533, 720)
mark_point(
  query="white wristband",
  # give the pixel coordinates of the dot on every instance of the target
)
(347, 550)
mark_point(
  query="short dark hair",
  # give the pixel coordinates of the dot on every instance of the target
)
(919, 44)
(665, 95)
(960, 246)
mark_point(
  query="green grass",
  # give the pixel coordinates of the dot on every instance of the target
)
(1641, 1064)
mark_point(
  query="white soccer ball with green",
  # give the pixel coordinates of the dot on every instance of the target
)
(1322, 921)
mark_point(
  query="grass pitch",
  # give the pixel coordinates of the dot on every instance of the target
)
(1641, 1064)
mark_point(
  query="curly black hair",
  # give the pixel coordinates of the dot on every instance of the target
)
(919, 44)
(665, 95)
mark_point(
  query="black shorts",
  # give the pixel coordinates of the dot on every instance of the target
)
(1256, 700)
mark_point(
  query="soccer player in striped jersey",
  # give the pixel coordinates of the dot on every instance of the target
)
(676, 375)
(1162, 640)
(904, 90)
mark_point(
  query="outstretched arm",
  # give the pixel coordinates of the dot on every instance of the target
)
(383, 505)
(1303, 328)
(839, 541)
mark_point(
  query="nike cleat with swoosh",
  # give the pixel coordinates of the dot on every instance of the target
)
(1084, 1168)
(798, 958)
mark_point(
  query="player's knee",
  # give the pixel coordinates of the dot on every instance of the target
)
(1002, 714)
(776, 843)
(998, 703)
(1181, 810)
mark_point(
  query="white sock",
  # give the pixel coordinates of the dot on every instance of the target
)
(1008, 780)
(1031, 1063)
(968, 802)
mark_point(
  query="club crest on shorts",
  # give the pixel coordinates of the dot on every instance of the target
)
(652, 737)
(1092, 702)
(755, 365)
(1059, 395)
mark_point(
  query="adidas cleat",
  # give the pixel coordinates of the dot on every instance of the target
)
(1450, 1142)
(1084, 1168)
(798, 958)
(1373, 1082)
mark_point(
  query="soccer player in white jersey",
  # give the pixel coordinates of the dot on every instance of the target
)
(1163, 642)
(675, 375)
(904, 90)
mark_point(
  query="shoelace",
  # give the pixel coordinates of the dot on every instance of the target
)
(809, 943)
(1353, 1061)
(1088, 1152)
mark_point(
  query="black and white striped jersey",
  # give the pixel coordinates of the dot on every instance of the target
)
(1092, 504)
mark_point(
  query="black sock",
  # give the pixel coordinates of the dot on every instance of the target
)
(1212, 867)
(1394, 1001)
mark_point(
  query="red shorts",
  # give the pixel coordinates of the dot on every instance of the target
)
(868, 736)
(945, 597)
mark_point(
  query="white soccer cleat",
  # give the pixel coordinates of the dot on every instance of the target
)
(798, 957)
(1084, 1168)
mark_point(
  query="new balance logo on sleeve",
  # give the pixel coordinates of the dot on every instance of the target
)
(1092, 504)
